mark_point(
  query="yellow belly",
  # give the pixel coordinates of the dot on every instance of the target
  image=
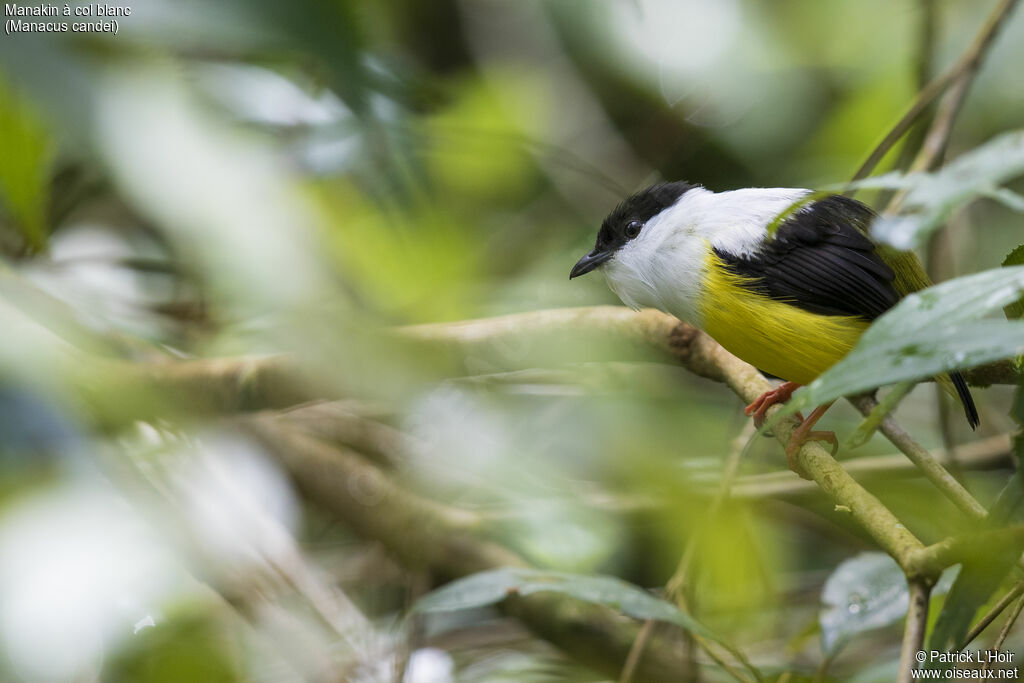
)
(774, 337)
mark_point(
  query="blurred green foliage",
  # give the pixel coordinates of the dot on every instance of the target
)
(238, 179)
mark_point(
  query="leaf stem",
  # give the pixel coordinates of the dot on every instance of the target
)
(992, 614)
(881, 410)
(1010, 621)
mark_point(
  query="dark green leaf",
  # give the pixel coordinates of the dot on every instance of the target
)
(493, 586)
(487, 588)
(1015, 258)
(490, 587)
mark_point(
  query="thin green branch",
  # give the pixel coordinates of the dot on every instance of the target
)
(677, 588)
(992, 614)
(928, 463)
(961, 73)
(881, 410)
(1011, 619)
(935, 141)
(986, 453)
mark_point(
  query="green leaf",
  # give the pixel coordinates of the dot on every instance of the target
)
(1015, 258)
(927, 333)
(24, 166)
(493, 586)
(932, 197)
(865, 593)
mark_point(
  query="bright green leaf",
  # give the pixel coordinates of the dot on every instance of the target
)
(24, 166)
(927, 333)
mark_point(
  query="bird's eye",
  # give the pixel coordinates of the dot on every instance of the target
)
(633, 229)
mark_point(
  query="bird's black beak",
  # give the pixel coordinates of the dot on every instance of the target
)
(589, 262)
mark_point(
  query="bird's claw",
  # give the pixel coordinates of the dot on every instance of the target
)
(759, 408)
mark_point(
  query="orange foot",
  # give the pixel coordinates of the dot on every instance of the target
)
(780, 394)
(805, 433)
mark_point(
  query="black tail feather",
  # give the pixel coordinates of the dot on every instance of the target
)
(965, 397)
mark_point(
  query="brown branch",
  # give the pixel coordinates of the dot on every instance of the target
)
(916, 624)
(540, 339)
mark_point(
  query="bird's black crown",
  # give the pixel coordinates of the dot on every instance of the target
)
(640, 207)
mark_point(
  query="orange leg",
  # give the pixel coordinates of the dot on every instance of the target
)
(804, 433)
(780, 394)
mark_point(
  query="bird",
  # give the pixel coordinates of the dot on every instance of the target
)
(786, 279)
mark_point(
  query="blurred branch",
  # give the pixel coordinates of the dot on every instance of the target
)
(960, 76)
(703, 356)
(678, 589)
(982, 454)
(524, 340)
(344, 423)
(421, 533)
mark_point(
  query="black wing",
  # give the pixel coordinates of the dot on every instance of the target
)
(822, 261)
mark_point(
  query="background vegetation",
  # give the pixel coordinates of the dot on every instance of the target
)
(244, 436)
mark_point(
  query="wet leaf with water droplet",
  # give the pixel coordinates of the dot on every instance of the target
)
(864, 593)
